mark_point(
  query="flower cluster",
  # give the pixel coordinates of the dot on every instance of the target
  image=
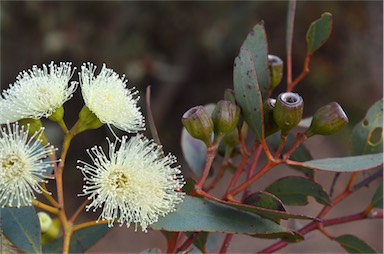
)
(23, 165)
(135, 183)
(37, 93)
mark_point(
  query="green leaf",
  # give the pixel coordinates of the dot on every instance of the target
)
(293, 190)
(81, 241)
(264, 200)
(346, 164)
(274, 215)
(352, 244)
(247, 92)
(301, 153)
(200, 240)
(367, 136)
(207, 242)
(256, 44)
(21, 226)
(377, 200)
(319, 32)
(196, 214)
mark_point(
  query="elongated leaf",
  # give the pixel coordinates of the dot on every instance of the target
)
(256, 44)
(265, 200)
(274, 215)
(81, 240)
(247, 92)
(301, 154)
(293, 190)
(377, 200)
(346, 164)
(319, 32)
(367, 136)
(200, 240)
(210, 243)
(21, 226)
(352, 244)
(196, 214)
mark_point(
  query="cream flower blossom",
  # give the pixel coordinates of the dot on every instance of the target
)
(134, 184)
(107, 96)
(37, 93)
(23, 165)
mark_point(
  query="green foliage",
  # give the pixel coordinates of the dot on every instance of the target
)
(294, 190)
(264, 200)
(196, 214)
(352, 244)
(247, 92)
(256, 44)
(319, 32)
(367, 136)
(274, 215)
(21, 226)
(346, 164)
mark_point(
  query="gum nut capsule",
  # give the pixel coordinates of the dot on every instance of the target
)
(225, 116)
(288, 111)
(327, 120)
(199, 124)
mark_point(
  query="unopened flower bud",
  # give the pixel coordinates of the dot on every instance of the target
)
(232, 138)
(276, 70)
(270, 125)
(288, 111)
(225, 117)
(327, 120)
(45, 221)
(199, 124)
(229, 95)
(33, 126)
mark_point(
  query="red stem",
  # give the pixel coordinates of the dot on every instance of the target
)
(211, 153)
(290, 26)
(225, 244)
(302, 75)
(187, 242)
(259, 174)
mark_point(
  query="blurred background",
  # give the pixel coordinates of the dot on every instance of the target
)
(185, 51)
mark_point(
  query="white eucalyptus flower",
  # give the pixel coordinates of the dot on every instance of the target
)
(134, 184)
(37, 93)
(107, 96)
(23, 165)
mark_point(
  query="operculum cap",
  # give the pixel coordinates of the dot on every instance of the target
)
(199, 124)
(288, 111)
(225, 117)
(327, 120)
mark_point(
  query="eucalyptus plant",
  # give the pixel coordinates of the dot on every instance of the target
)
(247, 134)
